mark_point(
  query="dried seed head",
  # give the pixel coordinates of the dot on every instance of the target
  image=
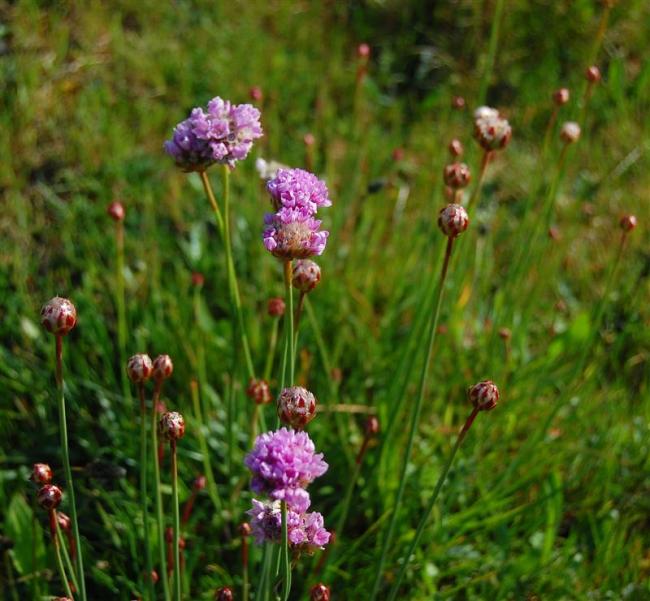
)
(372, 426)
(49, 496)
(245, 529)
(172, 425)
(628, 223)
(41, 474)
(492, 131)
(58, 316)
(593, 74)
(199, 483)
(224, 594)
(306, 275)
(308, 139)
(561, 96)
(139, 368)
(259, 391)
(197, 279)
(457, 175)
(296, 407)
(64, 521)
(458, 103)
(319, 592)
(453, 220)
(570, 132)
(163, 367)
(484, 395)
(116, 210)
(363, 51)
(256, 94)
(276, 307)
(455, 148)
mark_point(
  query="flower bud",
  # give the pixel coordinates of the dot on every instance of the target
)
(224, 594)
(154, 576)
(457, 175)
(319, 592)
(245, 529)
(276, 307)
(570, 132)
(41, 474)
(61, 599)
(455, 148)
(397, 155)
(116, 210)
(372, 426)
(139, 368)
(197, 279)
(485, 112)
(309, 139)
(458, 103)
(64, 521)
(199, 483)
(256, 94)
(628, 223)
(296, 407)
(505, 334)
(58, 316)
(259, 391)
(593, 74)
(306, 275)
(491, 131)
(163, 367)
(363, 51)
(561, 96)
(453, 220)
(49, 496)
(484, 395)
(172, 425)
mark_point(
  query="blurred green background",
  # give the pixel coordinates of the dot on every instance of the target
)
(549, 498)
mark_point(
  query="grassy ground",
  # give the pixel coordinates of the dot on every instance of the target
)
(549, 496)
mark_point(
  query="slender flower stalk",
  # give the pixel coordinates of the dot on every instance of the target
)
(492, 51)
(276, 308)
(172, 427)
(57, 552)
(485, 396)
(289, 346)
(67, 559)
(244, 532)
(59, 316)
(453, 221)
(284, 554)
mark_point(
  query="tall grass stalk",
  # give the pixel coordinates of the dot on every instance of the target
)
(120, 302)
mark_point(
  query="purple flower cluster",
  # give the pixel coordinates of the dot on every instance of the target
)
(292, 232)
(283, 464)
(223, 133)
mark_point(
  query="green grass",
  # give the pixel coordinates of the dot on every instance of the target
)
(548, 497)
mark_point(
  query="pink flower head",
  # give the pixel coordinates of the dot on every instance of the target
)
(298, 189)
(292, 233)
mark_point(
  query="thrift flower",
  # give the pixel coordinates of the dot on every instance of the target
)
(292, 233)
(298, 189)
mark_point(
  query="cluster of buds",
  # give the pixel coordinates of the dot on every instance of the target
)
(457, 175)
(259, 391)
(296, 407)
(41, 474)
(171, 426)
(570, 132)
(139, 368)
(306, 275)
(453, 220)
(491, 131)
(49, 497)
(484, 395)
(58, 316)
(163, 367)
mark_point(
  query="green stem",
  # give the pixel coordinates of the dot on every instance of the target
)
(415, 418)
(286, 565)
(288, 270)
(120, 301)
(144, 496)
(485, 161)
(492, 50)
(177, 523)
(160, 520)
(66, 556)
(63, 428)
(271, 352)
(429, 509)
(262, 592)
(57, 553)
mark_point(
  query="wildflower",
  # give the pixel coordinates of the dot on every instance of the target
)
(561, 96)
(457, 175)
(306, 275)
(484, 395)
(296, 407)
(163, 367)
(139, 368)
(116, 210)
(58, 316)
(593, 74)
(223, 134)
(256, 94)
(455, 148)
(259, 391)
(309, 139)
(453, 220)
(283, 461)
(298, 189)
(319, 592)
(363, 51)
(41, 474)
(628, 223)
(570, 132)
(49, 496)
(172, 426)
(492, 131)
(293, 233)
(276, 307)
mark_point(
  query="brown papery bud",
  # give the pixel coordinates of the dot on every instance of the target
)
(628, 223)
(484, 395)
(139, 368)
(41, 474)
(58, 316)
(320, 592)
(561, 96)
(49, 496)
(172, 426)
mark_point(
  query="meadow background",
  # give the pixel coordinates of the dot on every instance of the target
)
(550, 496)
